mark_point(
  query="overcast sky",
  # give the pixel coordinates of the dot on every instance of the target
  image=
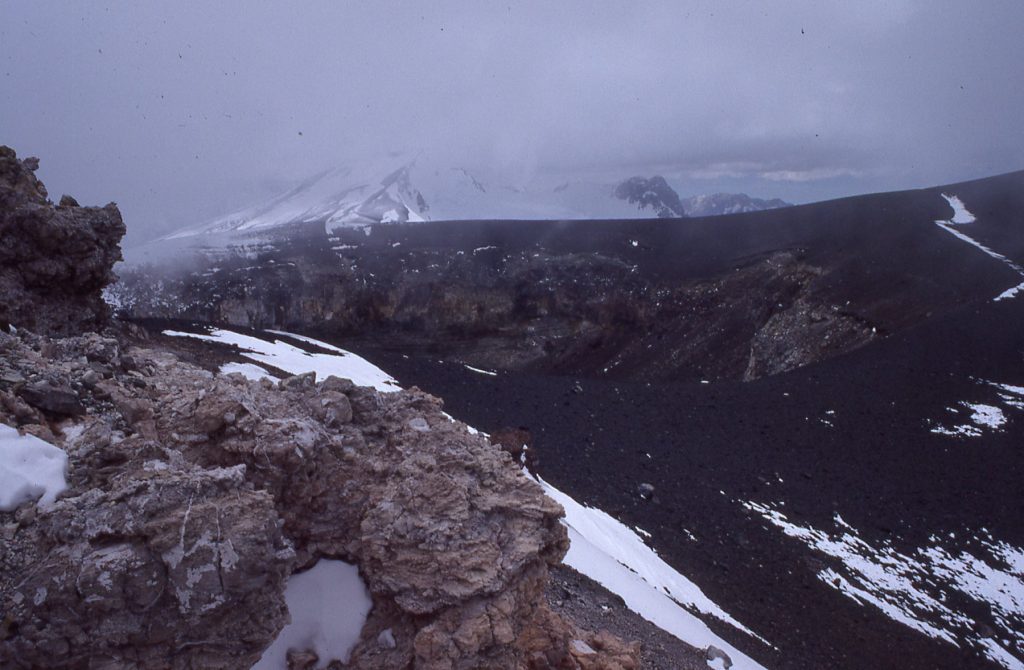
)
(181, 111)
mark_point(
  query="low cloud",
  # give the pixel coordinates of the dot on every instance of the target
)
(182, 112)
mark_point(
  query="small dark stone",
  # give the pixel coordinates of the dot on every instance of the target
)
(305, 380)
(51, 398)
(11, 377)
(301, 659)
(333, 383)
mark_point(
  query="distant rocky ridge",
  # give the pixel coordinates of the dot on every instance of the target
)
(718, 204)
(656, 195)
(54, 259)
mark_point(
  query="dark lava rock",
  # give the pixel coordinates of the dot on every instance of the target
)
(51, 398)
(54, 261)
(653, 193)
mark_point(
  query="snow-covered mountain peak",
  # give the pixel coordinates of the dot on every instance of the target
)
(404, 188)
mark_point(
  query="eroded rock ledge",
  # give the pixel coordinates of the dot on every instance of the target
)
(54, 259)
(193, 497)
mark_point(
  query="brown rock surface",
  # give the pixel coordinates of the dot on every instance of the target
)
(192, 497)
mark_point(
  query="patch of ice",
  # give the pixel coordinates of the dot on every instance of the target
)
(483, 372)
(328, 605)
(960, 213)
(30, 469)
(247, 370)
(1010, 292)
(982, 416)
(611, 554)
(1010, 388)
(957, 431)
(986, 415)
(295, 361)
(918, 589)
(718, 663)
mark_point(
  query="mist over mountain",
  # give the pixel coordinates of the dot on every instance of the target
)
(404, 189)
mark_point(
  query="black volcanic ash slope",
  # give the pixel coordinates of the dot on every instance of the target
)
(735, 297)
(848, 451)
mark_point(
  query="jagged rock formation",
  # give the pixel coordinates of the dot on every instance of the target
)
(54, 260)
(654, 194)
(192, 498)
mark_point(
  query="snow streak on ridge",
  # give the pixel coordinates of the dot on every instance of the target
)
(962, 216)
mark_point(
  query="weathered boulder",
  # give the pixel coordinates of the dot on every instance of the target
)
(192, 497)
(54, 260)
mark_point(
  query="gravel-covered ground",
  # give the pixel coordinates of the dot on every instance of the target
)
(593, 607)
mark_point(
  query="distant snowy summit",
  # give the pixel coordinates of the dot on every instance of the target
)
(718, 204)
(400, 191)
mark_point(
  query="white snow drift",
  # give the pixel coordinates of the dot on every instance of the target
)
(30, 469)
(247, 370)
(611, 554)
(328, 605)
(293, 360)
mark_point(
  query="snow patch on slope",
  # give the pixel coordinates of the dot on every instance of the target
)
(30, 469)
(919, 589)
(293, 360)
(1010, 292)
(983, 416)
(611, 554)
(328, 605)
(247, 370)
(960, 213)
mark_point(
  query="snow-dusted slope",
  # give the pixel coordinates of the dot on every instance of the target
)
(335, 197)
